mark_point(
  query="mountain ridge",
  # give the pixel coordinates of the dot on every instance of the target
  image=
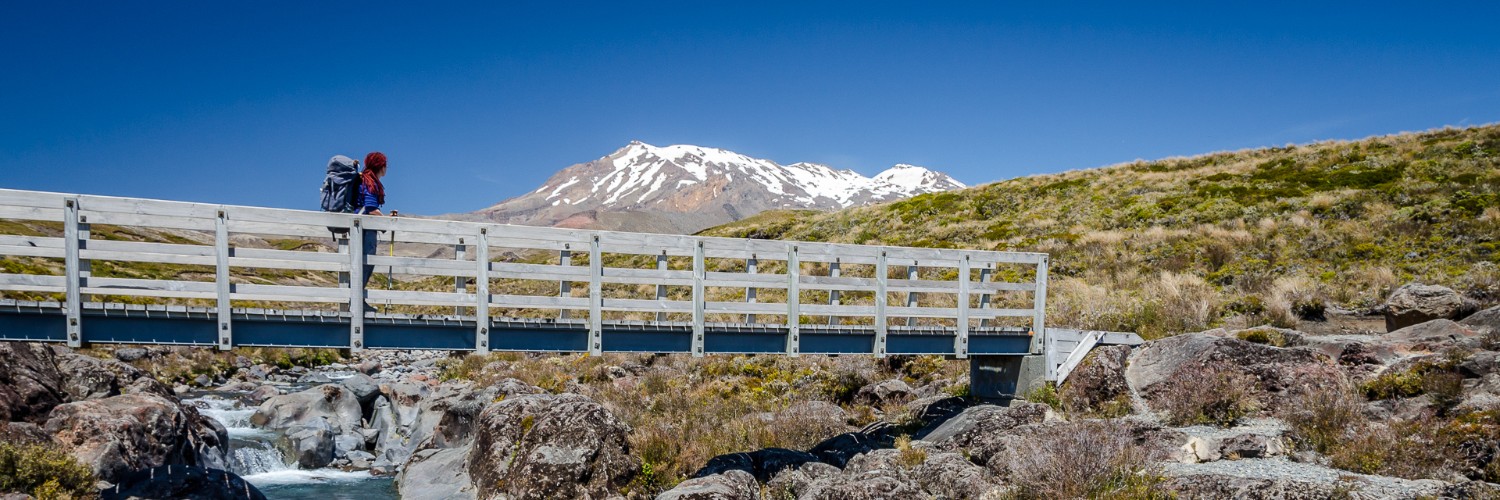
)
(685, 188)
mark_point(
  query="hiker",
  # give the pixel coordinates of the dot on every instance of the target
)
(371, 197)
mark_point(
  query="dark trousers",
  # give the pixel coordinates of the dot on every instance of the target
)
(371, 239)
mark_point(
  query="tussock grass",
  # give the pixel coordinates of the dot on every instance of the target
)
(1278, 234)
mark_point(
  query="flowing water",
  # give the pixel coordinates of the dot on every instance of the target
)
(254, 456)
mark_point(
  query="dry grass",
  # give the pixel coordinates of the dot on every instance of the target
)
(1207, 395)
(1086, 459)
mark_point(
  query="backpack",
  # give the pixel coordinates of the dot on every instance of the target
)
(341, 188)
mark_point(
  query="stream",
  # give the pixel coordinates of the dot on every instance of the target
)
(253, 455)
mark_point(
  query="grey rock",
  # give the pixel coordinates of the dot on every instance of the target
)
(730, 485)
(1278, 372)
(364, 388)
(1432, 336)
(566, 445)
(129, 354)
(120, 434)
(315, 378)
(330, 402)
(30, 385)
(360, 459)
(1417, 303)
(886, 392)
(313, 447)
(1487, 320)
(262, 393)
(437, 474)
(981, 430)
(202, 381)
(345, 444)
(762, 464)
(950, 475)
(1098, 382)
(792, 483)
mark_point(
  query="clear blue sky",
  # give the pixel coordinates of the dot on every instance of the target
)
(243, 102)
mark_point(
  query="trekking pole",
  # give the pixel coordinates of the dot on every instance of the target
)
(392, 269)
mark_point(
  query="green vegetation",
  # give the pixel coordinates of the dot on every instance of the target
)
(44, 472)
(682, 411)
(1239, 239)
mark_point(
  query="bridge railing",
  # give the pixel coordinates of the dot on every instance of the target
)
(78, 246)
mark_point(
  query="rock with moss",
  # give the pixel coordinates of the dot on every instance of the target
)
(982, 431)
(544, 446)
(1417, 303)
(1163, 370)
(120, 434)
(30, 385)
(728, 485)
(1097, 385)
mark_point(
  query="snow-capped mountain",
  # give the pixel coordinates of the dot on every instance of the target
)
(687, 188)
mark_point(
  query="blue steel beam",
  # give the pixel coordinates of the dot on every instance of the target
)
(315, 329)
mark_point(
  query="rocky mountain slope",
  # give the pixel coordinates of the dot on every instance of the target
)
(1236, 238)
(683, 189)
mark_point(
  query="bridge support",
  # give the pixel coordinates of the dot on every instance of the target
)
(999, 378)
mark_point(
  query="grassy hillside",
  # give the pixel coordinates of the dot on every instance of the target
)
(1245, 237)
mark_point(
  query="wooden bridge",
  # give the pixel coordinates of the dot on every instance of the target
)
(559, 290)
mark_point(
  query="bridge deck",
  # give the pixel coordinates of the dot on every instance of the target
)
(176, 325)
(786, 296)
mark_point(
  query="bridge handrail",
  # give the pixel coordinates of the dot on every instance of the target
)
(474, 242)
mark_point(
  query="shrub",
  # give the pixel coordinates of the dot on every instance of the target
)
(1411, 450)
(1322, 417)
(1088, 459)
(1265, 336)
(1205, 395)
(43, 472)
(1045, 394)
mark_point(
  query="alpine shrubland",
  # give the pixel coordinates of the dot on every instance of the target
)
(1265, 236)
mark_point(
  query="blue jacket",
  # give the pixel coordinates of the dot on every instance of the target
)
(367, 201)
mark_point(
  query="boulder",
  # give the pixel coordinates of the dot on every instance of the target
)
(30, 385)
(838, 450)
(129, 354)
(862, 487)
(315, 378)
(887, 392)
(436, 474)
(762, 464)
(950, 475)
(930, 412)
(120, 434)
(539, 445)
(729, 485)
(1277, 372)
(1417, 303)
(87, 377)
(1097, 385)
(981, 430)
(312, 446)
(791, 483)
(23, 433)
(334, 403)
(1487, 320)
(364, 388)
(261, 394)
(1432, 336)
(177, 481)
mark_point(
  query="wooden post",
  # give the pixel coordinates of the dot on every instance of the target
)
(564, 287)
(482, 293)
(911, 297)
(793, 297)
(458, 281)
(596, 298)
(221, 280)
(961, 339)
(881, 275)
(699, 273)
(833, 295)
(750, 290)
(73, 273)
(984, 298)
(356, 285)
(1039, 311)
(661, 290)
